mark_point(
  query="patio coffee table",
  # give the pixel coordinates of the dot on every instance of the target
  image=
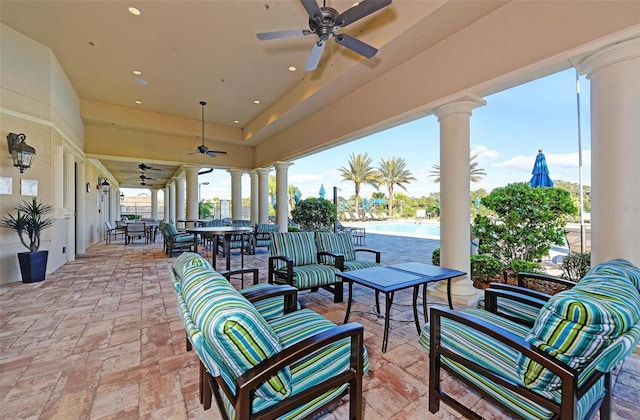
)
(396, 277)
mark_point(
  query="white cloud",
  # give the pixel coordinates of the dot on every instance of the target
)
(518, 163)
(485, 153)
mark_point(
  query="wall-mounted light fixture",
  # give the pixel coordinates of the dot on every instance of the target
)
(103, 184)
(21, 153)
(121, 196)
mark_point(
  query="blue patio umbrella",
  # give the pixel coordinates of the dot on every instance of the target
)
(296, 196)
(378, 201)
(540, 172)
(322, 192)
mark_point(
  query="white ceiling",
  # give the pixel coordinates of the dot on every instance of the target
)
(190, 51)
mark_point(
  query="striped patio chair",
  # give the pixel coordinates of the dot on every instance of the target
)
(295, 260)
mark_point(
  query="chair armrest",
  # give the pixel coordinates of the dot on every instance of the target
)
(373, 251)
(290, 294)
(254, 377)
(338, 259)
(272, 270)
(567, 374)
(520, 290)
(523, 308)
(228, 273)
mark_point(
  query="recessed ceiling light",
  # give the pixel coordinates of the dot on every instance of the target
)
(236, 122)
(134, 11)
(292, 68)
(139, 81)
(137, 72)
(257, 102)
(138, 102)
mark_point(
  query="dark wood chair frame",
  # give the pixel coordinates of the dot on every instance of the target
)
(247, 384)
(571, 392)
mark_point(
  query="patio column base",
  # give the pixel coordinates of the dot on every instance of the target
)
(467, 299)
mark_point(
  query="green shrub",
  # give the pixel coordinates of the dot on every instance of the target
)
(314, 214)
(292, 228)
(435, 257)
(484, 268)
(576, 265)
(131, 216)
(525, 223)
(522, 266)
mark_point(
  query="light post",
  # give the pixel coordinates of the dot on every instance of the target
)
(199, 197)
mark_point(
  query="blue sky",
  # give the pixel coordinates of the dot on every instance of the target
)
(506, 134)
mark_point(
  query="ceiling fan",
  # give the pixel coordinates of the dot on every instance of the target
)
(143, 167)
(202, 148)
(325, 22)
(144, 179)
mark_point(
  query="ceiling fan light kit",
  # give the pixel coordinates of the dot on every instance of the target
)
(325, 22)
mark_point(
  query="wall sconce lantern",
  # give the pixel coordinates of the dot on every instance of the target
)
(21, 153)
(121, 196)
(103, 185)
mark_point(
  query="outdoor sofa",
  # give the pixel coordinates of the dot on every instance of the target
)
(289, 364)
(558, 368)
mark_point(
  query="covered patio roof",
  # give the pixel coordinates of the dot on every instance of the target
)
(187, 51)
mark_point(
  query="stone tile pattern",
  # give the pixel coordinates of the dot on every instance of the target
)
(101, 338)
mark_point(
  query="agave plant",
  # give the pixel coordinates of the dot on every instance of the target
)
(29, 222)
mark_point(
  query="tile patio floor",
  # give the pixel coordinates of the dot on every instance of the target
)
(101, 338)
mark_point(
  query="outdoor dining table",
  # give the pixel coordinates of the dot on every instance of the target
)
(226, 231)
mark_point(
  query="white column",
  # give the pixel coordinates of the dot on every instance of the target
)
(455, 213)
(69, 203)
(81, 209)
(255, 215)
(263, 195)
(180, 199)
(282, 195)
(614, 73)
(236, 193)
(166, 201)
(192, 193)
(172, 202)
(154, 203)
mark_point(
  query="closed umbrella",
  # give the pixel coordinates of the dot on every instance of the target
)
(322, 192)
(540, 172)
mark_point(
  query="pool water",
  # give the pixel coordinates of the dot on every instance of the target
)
(419, 230)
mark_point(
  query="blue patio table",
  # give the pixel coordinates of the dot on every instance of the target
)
(396, 277)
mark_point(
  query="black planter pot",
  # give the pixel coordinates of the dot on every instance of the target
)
(33, 265)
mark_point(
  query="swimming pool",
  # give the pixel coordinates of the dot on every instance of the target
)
(414, 229)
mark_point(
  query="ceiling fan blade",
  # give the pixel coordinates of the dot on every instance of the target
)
(217, 152)
(314, 56)
(312, 9)
(360, 10)
(356, 45)
(265, 36)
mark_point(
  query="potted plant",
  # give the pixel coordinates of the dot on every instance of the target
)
(29, 222)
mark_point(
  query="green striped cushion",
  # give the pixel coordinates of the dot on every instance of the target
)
(300, 247)
(240, 338)
(337, 243)
(515, 309)
(171, 229)
(619, 267)
(359, 264)
(313, 275)
(269, 308)
(574, 326)
(189, 259)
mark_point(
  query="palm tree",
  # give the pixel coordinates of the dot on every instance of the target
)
(394, 172)
(360, 171)
(475, 173)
